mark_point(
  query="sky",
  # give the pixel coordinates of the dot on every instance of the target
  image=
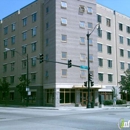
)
(9, 6)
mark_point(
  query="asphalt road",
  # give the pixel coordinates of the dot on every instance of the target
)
(41, 119)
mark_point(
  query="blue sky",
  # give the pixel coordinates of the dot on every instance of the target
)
(9, 6)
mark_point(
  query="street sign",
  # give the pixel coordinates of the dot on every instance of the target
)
(84, 67)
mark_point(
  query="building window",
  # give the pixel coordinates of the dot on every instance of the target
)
(100, 62)
(82, 73)
(129, 66)
(33, 61)
(4, 67)
(5, 42)
(24, 21)
(23, 49)
(128, 29)
(110, 77)
(47, 41)
(128, 54)
(109, 49)
(121, 52)
(91, 57)
(121, 39)
(47, 57)
(47, 26)
(64, 38)
(99, 18)
(63, 5)
(13, 39)
(99, 47)
(5, 55)
(122, 65)
(63, 21)
(34, 46)
(100, 76)
(46, 74)
(11, 79)
(82, 40)
(128, 41)
(64, 55)
(109, 63)
(108, 22)
(5, 30)
(12, 52)
(90, 41)
(23, 76)
(99, 31)
(90, 25)
(24, 35)
(64, 72)
(120, 26)
(33, 77)
(24, 64)
(34, 31)
(34, 17)
(81, 9)
(82, 24)
(12, 66)
(82, 57)
(11, 95)
(13, 26)
(47, 10)
(89, 10)
(108, 36)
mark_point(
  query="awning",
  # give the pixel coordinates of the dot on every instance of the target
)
(105, 90)
(82, 86)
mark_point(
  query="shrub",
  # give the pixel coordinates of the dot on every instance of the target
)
(120, 101)
(108, 102)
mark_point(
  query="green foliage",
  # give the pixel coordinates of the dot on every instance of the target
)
(21, 87)
(108, 102)
(125, 82)
(120, 101)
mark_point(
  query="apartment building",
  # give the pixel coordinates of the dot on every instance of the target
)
(113, 49)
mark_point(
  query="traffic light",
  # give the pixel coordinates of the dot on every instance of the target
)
(85, 83)
(90, 77)
(69, 64)
(41, 58)
(92, 83)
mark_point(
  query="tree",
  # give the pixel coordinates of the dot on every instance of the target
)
(125, 82)
(4, 88)
(21, 87)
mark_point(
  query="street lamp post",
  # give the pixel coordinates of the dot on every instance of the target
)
(88, 36)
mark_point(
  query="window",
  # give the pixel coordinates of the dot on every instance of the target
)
(5, 42)
(108, 36)
(109, 63)
(121, 52)
(82, 40)
(100, 76)
(128, 29)
(24, 62)
(109, 49)
(34, 46)
(121, 39)
(99, 18)
(122, 77)
(13, 26)
(64, 38)
(64, 72)
(90, 41)
(63, 21)
(46, 74)
(5, 55)
(12, 66)
(82, 24)
(89, 10)
(81, 9)
(100, 62)
(34, 31)
(110, 76)
(47, 26)
(34, 61)
(108, 22)
(24, 35)
(122, 65)
(99, 47)
(5, 68)
(23, 76)
(12, 52)
(63, 5)
(13, 39)
(5, 30)
(47, 57)
(11, 95)
(47, 10)
(82, 73)
(128, 41)
(120, 26)
(128, 54)
(90, 25)
(23, 49)
(34, 17)
(24, 21)
(99, 32)
(64, 55)
(11, 79)
(33, 77)
(47, 41)
(91, 57)
(82, 57)
(129, 66)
